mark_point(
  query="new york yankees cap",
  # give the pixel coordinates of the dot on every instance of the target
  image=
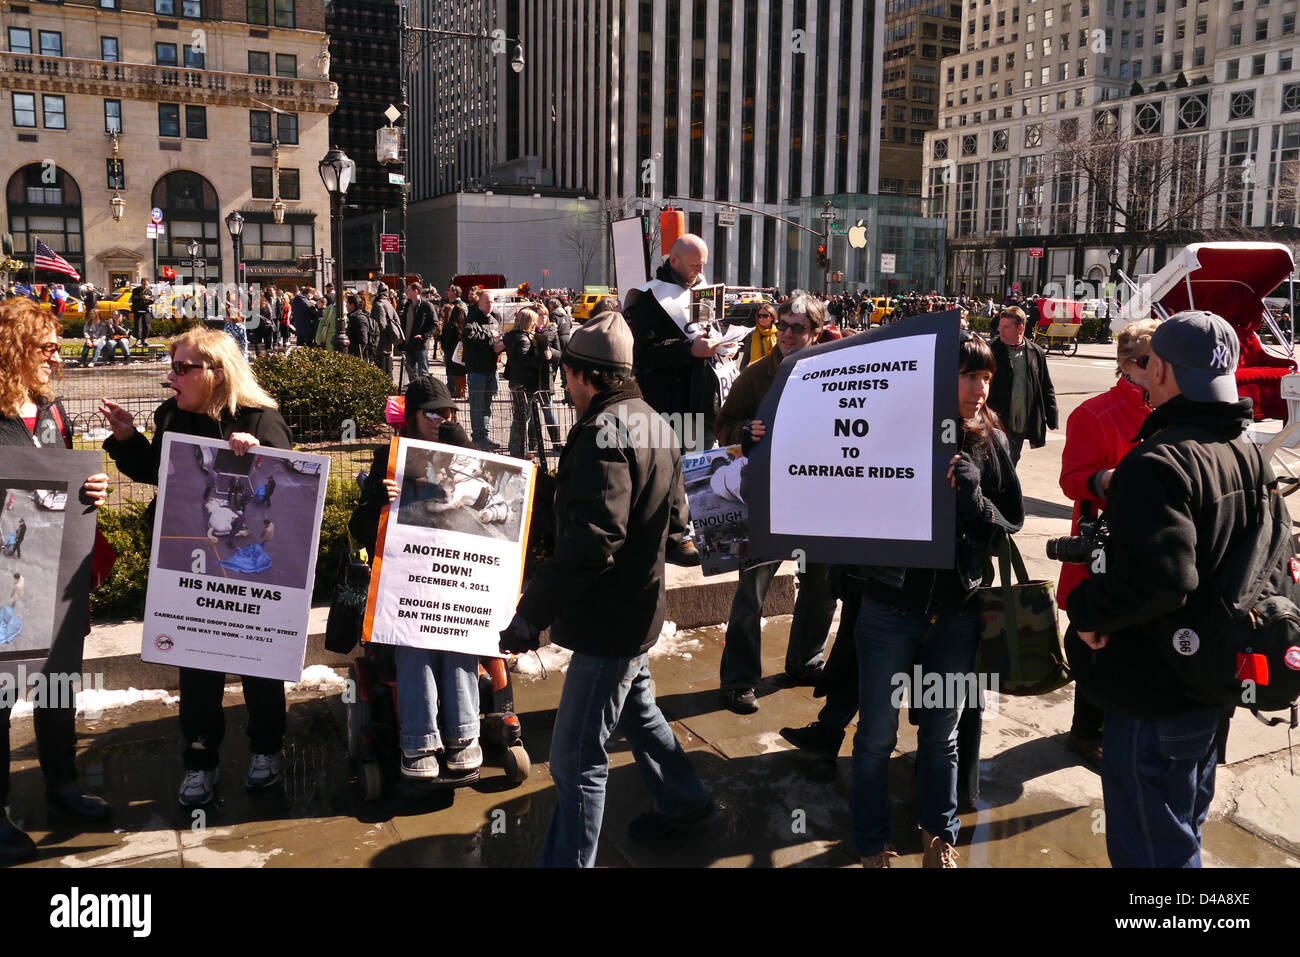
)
(1203, 350)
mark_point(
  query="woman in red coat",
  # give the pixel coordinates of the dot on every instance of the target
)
(1098, 434)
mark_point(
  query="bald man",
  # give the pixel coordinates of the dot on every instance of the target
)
(671, 364)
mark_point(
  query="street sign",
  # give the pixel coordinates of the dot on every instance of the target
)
(830, 214)
(726, 216)
(194, 263)
(388, 242)
(154, 230)
(392, 113)
(397, 179)
(839, 228)
(155, 215)
(888, 262)
(1035, 252)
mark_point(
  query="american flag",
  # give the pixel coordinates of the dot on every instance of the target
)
(47, 258)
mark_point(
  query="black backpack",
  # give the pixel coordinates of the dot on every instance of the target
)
(1244, 646)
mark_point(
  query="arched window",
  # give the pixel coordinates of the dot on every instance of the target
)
(45, 203)
(190, 211)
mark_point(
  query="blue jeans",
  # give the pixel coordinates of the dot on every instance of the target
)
(430, 682)
(888, 641)
(742, 664)
(482, 387)
(417, 361)
(601, 694)
(98, 348)
(1157, 779)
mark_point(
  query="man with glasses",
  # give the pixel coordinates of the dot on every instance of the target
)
(798, 324)
(1021, 392)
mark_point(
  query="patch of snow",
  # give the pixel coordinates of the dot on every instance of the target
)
(93, 702)
(673, 643)
(210, 857)
(155, 837)
(553, 658)
(316, 678)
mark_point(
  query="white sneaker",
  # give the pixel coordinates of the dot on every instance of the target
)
(468, 757)
(263, 771)
(197, 787)
(422, 765)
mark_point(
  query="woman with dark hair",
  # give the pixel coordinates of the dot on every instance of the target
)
(930, 617)
(31, 416)
(762, 339)
(437, 691)
(453, 326)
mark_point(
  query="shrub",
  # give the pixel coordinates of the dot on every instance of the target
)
(319, 391)
(1093, 330)
(122, 596)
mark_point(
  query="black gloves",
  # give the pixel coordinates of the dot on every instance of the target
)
(519, 637)
(966, 475)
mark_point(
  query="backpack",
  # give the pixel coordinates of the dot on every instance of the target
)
(1244, 648)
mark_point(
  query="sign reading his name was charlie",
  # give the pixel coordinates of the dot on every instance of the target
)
(719, 519)
(853, 468)
(234, 558)
(46, 535)
(450, 557)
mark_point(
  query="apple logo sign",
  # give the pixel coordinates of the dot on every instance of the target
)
(858, 236)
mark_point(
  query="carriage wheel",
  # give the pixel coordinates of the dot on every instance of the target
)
(1074, 347)
(1282, 454)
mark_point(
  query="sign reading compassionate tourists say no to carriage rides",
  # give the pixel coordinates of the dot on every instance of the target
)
(234, 558)
(854, 465)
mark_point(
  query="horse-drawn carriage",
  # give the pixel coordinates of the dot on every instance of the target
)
(1058, 325)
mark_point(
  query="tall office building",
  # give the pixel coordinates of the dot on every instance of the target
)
(1202, 98)
(194, 108)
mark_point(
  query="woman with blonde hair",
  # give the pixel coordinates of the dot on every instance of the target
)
(526, 356)
(30, 416)
(216, 396)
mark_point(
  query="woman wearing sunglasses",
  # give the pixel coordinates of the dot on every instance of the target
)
(214, 396)
(437, 691)
(762, 340)
(31, 416)
(1098, 434)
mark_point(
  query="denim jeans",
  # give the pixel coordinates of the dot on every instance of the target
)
(888, 639)
(98, 348)
(118, 345)
(742, 664)
(434, 685)
(1157, 779)
(482, 387)
(417, 361)
(602, 694)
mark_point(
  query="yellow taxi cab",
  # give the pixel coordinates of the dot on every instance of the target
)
(881, 308)
(75, 310)
(120, 301)
(583, 305)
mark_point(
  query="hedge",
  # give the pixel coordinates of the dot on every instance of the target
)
(320, 390)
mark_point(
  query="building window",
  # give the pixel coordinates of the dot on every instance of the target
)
(286, 64)
(290, 188)
(1288, 24)
(1029, 78)
(51, 43)
(1198, 56)
(286, 126)
(1234, 35)
(196, 122)
(1202, 25)
(166, 8)
(20, 40)
(940, 147)
(55, 110)
(1261, 30)
(259, 126)
(1232, 70)
(259, 63)
(968, 145)
(1033, 135)
(1147, 120)
(108, 49)
(169, 119)
(164, 54)
(1257, 65)
(108, 4)
(284, 13)
(1193, 112)
(24, 109)
(195, 58)
(256, 11)
(1284, 61)
(112, 116)
(1001, 140)
(116, 170)
(262, 186)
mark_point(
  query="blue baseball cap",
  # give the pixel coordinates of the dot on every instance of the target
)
(1203, 350)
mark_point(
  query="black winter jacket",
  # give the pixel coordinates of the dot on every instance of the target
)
(616, 505)
(479, 334)
(1175, 507)
(524, 362)
(139, 459)
(1042, 396)
(670, 378)
(418, 324)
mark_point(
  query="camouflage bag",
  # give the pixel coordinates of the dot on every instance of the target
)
(1020, 637)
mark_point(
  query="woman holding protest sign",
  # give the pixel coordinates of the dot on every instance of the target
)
(217, 397)
(433, 687)
(930, 617)
(30, 415)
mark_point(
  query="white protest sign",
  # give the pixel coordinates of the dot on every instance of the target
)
(450, 557)
(234, 558)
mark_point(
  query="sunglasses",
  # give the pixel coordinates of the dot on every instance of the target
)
(800, 327)
(181, 368)
(49, 349)
(1141, 361)
(434, 417)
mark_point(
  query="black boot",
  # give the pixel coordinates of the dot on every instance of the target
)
(15, 846)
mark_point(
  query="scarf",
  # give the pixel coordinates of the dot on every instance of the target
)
(763, 342)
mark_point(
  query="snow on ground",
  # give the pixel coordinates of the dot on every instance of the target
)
(674, 644)
(317, 678)
(671, 644)
(93, 701)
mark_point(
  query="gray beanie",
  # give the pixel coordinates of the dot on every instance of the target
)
(604, 342)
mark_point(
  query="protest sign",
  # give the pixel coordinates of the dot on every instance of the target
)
(46, 536)
(450, 557)
(234, 558)
(719, 518)
(853, 468)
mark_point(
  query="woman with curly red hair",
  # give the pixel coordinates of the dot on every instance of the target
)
(30, 415)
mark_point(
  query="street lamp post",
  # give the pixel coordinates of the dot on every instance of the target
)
(235, 225)
(192, 247)
(336, 172)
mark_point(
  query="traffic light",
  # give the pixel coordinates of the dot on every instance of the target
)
(823, 261)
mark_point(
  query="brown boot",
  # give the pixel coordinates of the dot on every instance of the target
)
(879, 860)
(937, 853)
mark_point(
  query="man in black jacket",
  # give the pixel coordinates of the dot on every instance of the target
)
(482, 343)
(1021, 392)
(419, 325)
(359, 343)
(1177, 504)
(672, 366)
(141, 300)
(617, 504)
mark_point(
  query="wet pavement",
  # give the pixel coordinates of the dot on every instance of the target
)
(776, 807)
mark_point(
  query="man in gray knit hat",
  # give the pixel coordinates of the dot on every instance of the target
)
(619, 501)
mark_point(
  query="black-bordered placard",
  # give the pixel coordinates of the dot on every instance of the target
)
(853, 468)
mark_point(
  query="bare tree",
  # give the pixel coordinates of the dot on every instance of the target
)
(585, 241)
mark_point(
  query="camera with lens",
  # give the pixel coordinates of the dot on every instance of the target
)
(1079, 549)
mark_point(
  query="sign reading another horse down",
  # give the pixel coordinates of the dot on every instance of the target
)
(234, 558)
